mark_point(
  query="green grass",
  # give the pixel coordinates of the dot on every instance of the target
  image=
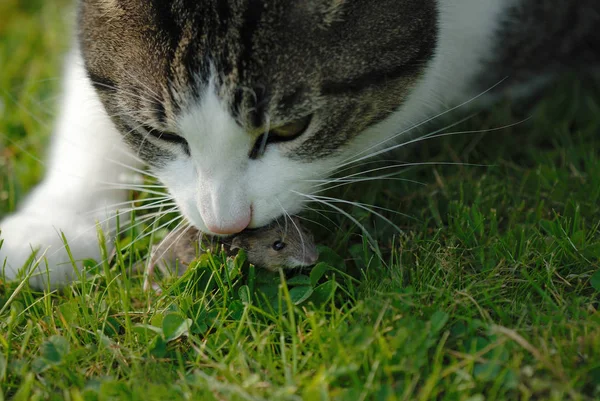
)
(491, 293)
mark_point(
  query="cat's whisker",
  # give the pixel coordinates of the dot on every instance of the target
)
(126, 247)
(314, 222)
(95, 227)
(183, 226)
(407, 166)
(334, 180)
(153, 95)
(369, 208)
(138, 187)
(117, 214)
(171, 205)
(427, 120)
(37, 159)
(70, 173)
(347, 181)
(126, 187)
(389, 167)
(129, 154)
(123, 91)
(432, 134)
(279, 224)
(132, 168)
(142, 235)
(134, 129)
(142, 220)
(250, 90)
(115, 206)
(358, 156)
(265, 139)
(438, 135)
(134, 222)
(343, 212)
(319, 212)
(127, 114)
(148, 134)
(154, 203)
(287, 215)
(389, 177)
(135, 179)
(149, 271)
(364, 163)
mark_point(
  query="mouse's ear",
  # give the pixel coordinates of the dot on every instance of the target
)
(236, 243)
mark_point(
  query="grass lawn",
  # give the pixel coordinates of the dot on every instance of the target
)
(491, 291)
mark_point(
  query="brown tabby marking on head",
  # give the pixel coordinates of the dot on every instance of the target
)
(348, 63)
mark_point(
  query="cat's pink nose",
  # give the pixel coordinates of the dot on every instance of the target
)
(228, 223)
(229, 227)
(224, 207)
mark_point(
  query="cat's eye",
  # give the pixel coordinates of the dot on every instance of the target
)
(165, 136)
(278, 246)
(290, 131)
(283, 133)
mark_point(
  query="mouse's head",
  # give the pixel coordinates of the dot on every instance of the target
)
(282, 244)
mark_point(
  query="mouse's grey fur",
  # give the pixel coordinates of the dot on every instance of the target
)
(174, 254)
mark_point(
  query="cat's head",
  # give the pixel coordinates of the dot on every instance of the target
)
(241, 105)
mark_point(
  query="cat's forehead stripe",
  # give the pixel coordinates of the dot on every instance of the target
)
(378, 77)
(251, 17)
(271, 62)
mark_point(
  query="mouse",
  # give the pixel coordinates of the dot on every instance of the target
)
(283, 244)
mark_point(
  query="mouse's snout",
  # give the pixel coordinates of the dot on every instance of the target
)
(311, 256)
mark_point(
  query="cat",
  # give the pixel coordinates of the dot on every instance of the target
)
(239, 105)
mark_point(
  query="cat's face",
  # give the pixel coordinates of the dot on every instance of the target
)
(194, 86)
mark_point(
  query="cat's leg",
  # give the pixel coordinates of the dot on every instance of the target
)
(87, 155)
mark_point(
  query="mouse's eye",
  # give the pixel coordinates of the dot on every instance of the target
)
(278, 245)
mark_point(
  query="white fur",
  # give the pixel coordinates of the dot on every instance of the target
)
(75, 184)
(465, 39)
(219, 187)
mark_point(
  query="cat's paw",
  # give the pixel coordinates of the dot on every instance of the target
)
(30, 232)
